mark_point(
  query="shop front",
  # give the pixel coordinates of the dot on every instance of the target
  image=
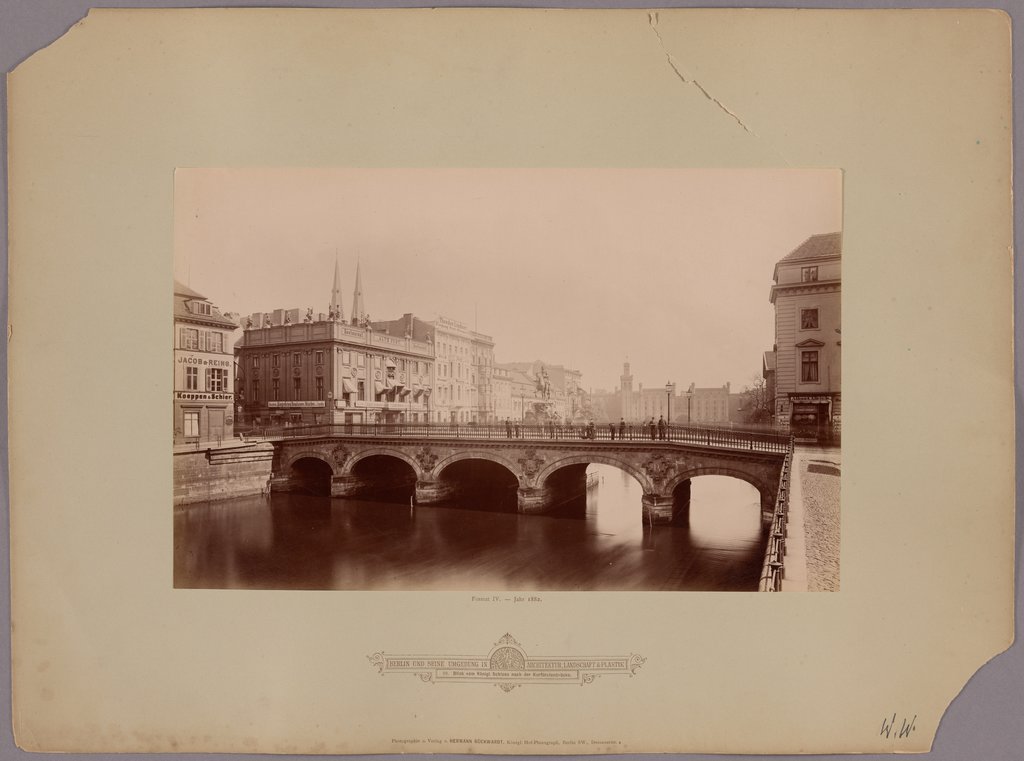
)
(811, 417)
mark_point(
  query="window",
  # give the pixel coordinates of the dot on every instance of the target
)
(296, 359)
(319, 357)
(255, 391)
(346, 358)
(215, 342)
(215, 378)
(276, 390)
(198, 307)
(320, 389)
(808, 319)
(808, 274)
(296, 388)
(192, 378)
(256, 361)
(275, 360)
(189, 338)
(809, 366)
(191, 423)
(360, 390)
(360, 360)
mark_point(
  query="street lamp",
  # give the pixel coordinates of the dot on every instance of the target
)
(668, 396)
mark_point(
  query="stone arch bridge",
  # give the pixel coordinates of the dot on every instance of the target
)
(547, 470)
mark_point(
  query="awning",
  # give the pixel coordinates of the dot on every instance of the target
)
(348, 386)
(389, 363)
(378, 387)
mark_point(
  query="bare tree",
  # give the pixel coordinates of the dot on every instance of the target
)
(757, 405)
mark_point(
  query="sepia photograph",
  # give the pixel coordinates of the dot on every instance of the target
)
(506, 375)
(523, 380)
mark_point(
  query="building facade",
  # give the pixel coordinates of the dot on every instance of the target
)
(464, 371)
(203, 369)
(296, 369)
(806, 372)
(695, 405)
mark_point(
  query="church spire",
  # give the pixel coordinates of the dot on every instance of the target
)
(358, 310)
(336, 309)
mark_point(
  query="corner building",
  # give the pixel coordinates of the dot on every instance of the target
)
(324, 370)
(805, 365)
(203, 365)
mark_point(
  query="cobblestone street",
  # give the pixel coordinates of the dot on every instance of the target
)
(820, 475)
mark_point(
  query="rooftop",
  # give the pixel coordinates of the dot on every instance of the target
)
(815, 247)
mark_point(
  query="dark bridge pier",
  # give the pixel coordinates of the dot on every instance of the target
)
(668, 508)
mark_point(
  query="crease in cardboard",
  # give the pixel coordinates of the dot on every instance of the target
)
(652, 18)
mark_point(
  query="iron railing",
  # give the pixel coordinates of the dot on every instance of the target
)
(773, 571)
(724, 438)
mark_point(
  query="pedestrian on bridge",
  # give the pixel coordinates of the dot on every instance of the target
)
(611, 431)
(622, 429)
(508, 428)
(661, 427)
(653, 428)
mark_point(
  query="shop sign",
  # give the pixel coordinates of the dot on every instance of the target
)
(199, 396)
(206, 361)
(297, 404)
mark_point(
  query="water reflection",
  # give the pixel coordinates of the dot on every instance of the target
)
(599, 542)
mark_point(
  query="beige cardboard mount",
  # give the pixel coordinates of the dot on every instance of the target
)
(913, 106)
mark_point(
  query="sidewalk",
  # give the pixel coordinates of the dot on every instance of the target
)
(812, 547)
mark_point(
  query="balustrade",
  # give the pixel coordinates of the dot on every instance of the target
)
(634, 435)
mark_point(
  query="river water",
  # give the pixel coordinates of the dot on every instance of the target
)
(300, 541)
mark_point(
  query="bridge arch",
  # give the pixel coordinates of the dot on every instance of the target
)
(767, 491)
(595, 459)
(505, 462)
(382, 451)
(310, 454)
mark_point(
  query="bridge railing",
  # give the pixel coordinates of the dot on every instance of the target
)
(677, 434)
(773, 570)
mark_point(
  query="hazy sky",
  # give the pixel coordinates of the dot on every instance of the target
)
(670, 268)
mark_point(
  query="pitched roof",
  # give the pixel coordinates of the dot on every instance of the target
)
(180, 289)
(183, 295)
(826, 244)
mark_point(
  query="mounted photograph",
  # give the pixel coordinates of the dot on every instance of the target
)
(512, 380)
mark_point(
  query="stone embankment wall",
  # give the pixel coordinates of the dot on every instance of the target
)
(221, 471)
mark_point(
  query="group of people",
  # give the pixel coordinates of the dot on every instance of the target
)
(657, 430)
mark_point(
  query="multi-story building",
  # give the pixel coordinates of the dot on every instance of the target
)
(704, 405)
(295, 369)
(464, 362)
(695, 405)
(203, 369)
(807, 354)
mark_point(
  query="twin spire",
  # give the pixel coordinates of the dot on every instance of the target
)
(358, 310)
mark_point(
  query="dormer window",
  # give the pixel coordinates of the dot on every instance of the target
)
(808, 274)
(201, 307)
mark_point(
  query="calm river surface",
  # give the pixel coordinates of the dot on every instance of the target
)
(300, 541)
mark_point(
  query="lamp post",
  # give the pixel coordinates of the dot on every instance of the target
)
(668, 397)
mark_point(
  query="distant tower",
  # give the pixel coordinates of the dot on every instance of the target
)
(358, 310)
(626, 381)
(336, 293)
